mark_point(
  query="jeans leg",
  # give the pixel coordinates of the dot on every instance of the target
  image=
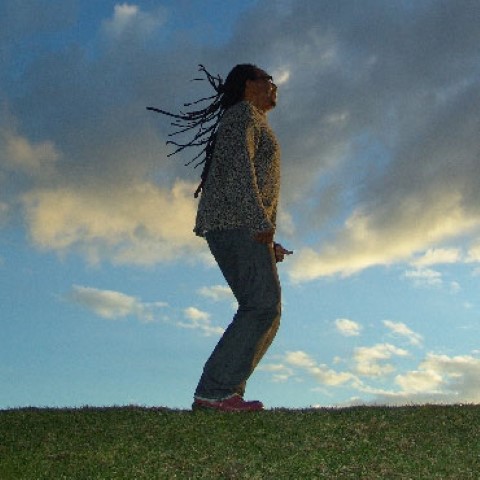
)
(251, 272)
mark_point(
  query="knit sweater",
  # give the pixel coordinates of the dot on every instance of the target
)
(242, 187)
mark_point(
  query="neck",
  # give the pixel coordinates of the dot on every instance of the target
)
(255, 104)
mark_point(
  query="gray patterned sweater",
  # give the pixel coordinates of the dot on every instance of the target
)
(242, 187)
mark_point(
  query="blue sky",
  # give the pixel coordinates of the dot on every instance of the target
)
(107, 297)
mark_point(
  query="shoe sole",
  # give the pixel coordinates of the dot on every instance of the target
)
(205, 408)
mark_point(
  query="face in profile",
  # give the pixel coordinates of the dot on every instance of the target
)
(262, 91)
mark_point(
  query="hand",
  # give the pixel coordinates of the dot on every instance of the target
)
(280, 252)
(264, 237)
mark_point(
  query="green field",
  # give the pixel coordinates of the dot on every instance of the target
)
(147, 443)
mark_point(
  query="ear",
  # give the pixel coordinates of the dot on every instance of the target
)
(248, 84)
(249, 87)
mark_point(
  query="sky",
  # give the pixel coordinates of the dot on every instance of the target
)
(106, 295)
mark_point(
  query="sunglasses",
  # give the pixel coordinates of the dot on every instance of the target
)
(264, 77)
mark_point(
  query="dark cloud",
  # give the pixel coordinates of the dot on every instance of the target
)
(380, 105)
(19, 21)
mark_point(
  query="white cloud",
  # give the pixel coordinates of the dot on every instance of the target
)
(139, 224)
(196, 315)
(455, 287)
(18, 154)
(123, 16)
(424, 277)
(323, 374)
(124, 12)
(280, 372)
(367, 239)
(113, 305)
(199, 320)
(129, 19)
(347, 327)
(281, 75)
(369, 361)
(435, 256)
(327, 376)
(439, 379)
(217, 293)
(399, 328)
(300, 359)
(474, 253)
(286, 225)
(415, 382)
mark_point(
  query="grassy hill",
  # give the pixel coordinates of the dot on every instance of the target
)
(427, 442)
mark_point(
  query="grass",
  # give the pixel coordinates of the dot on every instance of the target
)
(426, 442)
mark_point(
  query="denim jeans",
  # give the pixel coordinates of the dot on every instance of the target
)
(250, 270)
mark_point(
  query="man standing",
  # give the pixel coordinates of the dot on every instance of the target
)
(237, 216)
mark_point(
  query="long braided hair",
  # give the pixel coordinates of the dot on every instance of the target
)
(205, 121)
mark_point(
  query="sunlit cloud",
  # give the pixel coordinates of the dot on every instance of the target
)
(426, 381)
(323, 374)
(370, 361)
(347, 327)
(369, 239)
(435, 256)
(122, 15)
(300, 359)
(129, 19)
(280, 373)
(217, 293)
(114, 305)
(437, 379)
(337, 118)
(400, 329)
(18, 154)
(137, 224)
(474, 253)
(286, 224)
(197, 319)
(424, 277)
(281, 76)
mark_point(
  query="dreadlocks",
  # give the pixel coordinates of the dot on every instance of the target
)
(205, 121)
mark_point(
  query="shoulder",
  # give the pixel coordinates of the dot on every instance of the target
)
(241, 112)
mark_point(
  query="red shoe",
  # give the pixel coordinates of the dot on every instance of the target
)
(235, 403)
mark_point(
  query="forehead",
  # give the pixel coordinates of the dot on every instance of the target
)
(262, 73)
